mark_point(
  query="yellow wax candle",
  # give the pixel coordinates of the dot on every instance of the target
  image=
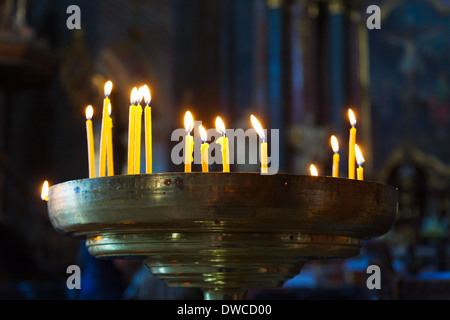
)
(148, 130)
(138, 132)
(205, 149)
(262, 136)
(90, 141)
(359, 160)
(104, 132)
(44, 191)
(352, 141)
(109, 147)
(223, 141)
(132, 129)
(313, 170)
(335, 146)
(189, 142)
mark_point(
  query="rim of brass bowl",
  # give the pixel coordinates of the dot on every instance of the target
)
(223, 202)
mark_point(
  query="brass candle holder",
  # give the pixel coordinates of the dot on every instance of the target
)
(223, 232)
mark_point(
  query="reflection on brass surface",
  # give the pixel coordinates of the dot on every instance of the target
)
(222, 232)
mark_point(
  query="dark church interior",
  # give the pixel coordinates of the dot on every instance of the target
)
(297, 64)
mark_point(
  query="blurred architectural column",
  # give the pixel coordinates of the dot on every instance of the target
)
(277, 71)
(334, 76)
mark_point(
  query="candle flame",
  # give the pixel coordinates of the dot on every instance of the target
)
(203, 134)
(313, 170)
(188, 122)
(141, 94)
(134, 96)
(147, 95)
(108, 88)
(89, 112)
(352, 117)
(334, 144)
(258, 127)
(359, 156)
(220, 126)
(44, 192)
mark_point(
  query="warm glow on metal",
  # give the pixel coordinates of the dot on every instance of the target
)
(334, 144)
(359, 156)
(134, 96)
(352, 117)
(44, 192)
(258, 127)
(89, 112)
(147, 95)
(188, 122)
(108, 88)
(203, 134)
(313, 170)
(220, 126)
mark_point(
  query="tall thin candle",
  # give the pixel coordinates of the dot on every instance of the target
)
(205, 149)
(109, 147)
(103, 142)
(148, 131)
(335, 146)
(262, 136)
(351, 145)
(131, 129)
(223, 141)
(138, 133)
(360, 160)
(189, 142)
(90, 141)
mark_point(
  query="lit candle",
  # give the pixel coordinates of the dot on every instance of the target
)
(90, 141)
(313, 170)
(148, 130)
(137, 141)
(132, 129)
(109, 147)
(359, 160)
(104, 132)
(335, 146)
(352, 141)
(44, 191)
(205, 148)
(262, 136)
(189, 141)
(223, 141)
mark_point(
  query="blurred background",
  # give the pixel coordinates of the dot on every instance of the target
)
(296, 64)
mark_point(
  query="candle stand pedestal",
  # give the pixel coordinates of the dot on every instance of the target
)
(222, 232)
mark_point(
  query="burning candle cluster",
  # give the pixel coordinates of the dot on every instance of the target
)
(137, 99)
(354, 154)
(142, 97)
